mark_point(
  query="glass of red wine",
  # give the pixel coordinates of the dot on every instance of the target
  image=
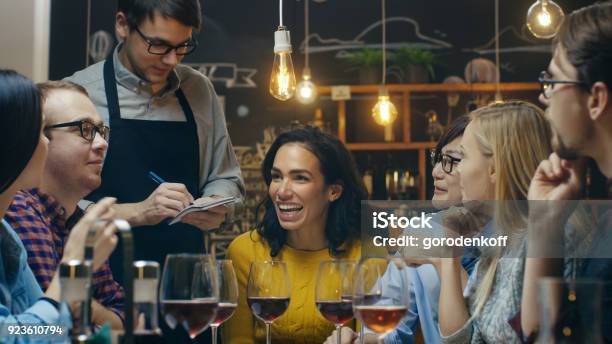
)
(334, 292)
(268, 292)
(228, 295)
(376, 300)
(189, 292)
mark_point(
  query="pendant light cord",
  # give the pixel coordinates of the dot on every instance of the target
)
(87, 33)
(306, 30)
(497, 86)
(384, 44)
(280, 12)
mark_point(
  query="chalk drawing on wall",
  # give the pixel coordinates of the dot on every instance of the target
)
(228, 73)
(318, 44)
(516, 42)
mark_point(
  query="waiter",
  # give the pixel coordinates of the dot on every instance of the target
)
(164, 118)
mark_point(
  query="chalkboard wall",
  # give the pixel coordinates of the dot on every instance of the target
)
(238, 37)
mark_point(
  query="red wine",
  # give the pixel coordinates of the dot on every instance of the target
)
(380, 318)
(224, 312)
(194, 315)
(268, 308)
(338, 312)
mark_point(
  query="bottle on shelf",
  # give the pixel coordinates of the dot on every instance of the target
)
(412, 189)
(404, 184)
(392, 177)
(368, 176)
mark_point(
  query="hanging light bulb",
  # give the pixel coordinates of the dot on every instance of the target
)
(282, 80)
(544, 18)
(384, 112)
(306, 89)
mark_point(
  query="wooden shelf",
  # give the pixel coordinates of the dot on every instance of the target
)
(405, 91)
(376, 146)
(480, 87)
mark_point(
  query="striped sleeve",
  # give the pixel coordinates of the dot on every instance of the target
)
(36, 237)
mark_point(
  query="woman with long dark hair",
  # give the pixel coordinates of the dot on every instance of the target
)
(311, 214)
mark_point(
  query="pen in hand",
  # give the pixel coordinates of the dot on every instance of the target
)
(156, 178)
(159, 180)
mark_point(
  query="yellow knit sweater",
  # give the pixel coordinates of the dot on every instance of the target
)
(301, 323)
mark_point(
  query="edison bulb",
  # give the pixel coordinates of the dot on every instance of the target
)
(306, 89)
(384, 112)
(544, 18)
(306, 92)
(282, 79)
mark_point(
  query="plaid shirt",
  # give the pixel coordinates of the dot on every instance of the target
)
(41, 223)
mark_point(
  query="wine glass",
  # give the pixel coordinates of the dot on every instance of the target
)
(268, 292)
(376, 300)
(228, 295)
(334, 292)
(189, 292)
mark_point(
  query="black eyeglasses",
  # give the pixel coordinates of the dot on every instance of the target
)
(446, 160)
(160, 48)
(547, 84)
(87, 128)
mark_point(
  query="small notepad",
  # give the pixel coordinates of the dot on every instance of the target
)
(203, 206)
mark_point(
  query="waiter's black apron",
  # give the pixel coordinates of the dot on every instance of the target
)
(168, 148)
(136, 147)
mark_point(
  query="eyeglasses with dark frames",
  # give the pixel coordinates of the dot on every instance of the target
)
(447, 161)
(87, 129)
(547, 85)
(160, 48)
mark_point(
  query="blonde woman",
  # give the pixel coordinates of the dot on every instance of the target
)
(501, 149)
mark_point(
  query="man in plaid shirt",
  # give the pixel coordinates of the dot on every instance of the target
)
(44, 217)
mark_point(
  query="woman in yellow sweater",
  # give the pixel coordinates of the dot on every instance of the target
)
(311, 214)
